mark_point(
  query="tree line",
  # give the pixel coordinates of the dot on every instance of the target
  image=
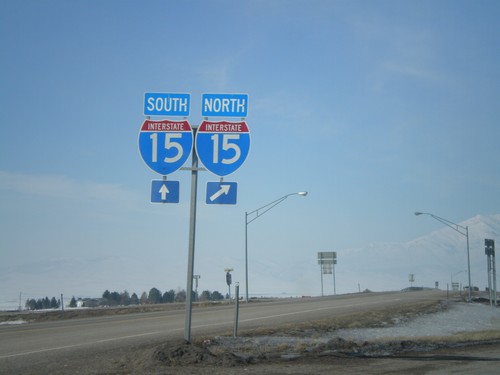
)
(155, 296)
(43, 303)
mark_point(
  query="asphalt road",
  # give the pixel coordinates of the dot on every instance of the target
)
(38, 342)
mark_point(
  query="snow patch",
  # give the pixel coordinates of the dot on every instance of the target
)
(463, 317)
(14, 322)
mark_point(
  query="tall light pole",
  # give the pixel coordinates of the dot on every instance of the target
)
(464, 231)
(257, 213)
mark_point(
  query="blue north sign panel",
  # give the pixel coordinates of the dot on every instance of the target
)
(224, 105)
(221, 192)
(166, 104)
(222, 146)
(163, 191)
(165, 145)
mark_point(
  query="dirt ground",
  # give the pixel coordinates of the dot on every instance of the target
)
(183, 359)
(309, 348)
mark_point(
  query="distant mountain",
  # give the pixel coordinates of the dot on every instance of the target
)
(437, 257)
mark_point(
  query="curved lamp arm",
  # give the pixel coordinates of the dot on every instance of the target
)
(262, 210)
(456, 227)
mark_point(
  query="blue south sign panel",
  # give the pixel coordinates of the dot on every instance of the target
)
(166, 104)
(222, 146)
(165, 145)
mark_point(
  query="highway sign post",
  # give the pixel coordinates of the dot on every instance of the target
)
(327, 260)
(163, 191)
(221, 192)
(165, 145)
(222, 146)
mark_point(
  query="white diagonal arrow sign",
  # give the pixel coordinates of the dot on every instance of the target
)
(163, 191)
(224, 189)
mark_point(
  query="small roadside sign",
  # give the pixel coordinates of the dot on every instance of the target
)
(221, 192)
(163, 191)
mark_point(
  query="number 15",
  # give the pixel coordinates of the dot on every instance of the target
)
(168, 144)
(226, 145)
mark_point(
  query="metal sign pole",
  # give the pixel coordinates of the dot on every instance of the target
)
(494, 275)
(488, 267)
(236, 309)
(321, 270)
(334, 286)
(246, 257)
(494, 272)
(192, 232)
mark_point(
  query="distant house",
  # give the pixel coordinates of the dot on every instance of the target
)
(89, 302)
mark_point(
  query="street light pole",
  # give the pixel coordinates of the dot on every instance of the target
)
(464, 231)
(259, 212)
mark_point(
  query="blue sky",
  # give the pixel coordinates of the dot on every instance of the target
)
(376, 108)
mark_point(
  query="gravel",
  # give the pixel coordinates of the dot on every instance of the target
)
(458, 318)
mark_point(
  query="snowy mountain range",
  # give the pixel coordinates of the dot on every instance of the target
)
(440, 256)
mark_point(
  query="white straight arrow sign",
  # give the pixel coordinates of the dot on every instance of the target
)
(163, 191)
(224, 189)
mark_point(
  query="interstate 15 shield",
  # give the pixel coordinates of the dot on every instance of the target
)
(222, 146)
(165, 145)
